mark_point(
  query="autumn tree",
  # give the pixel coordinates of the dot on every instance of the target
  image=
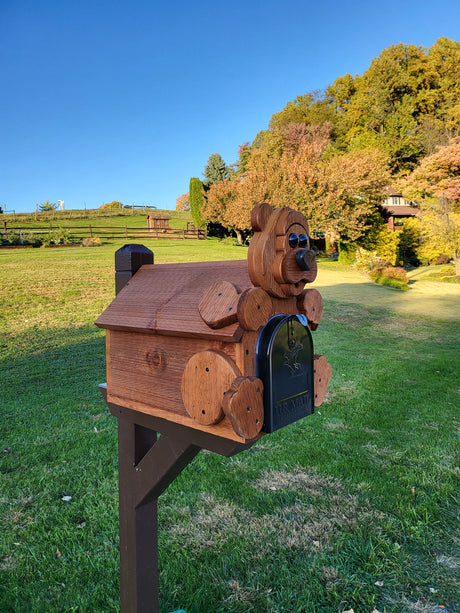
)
(289, 167)
(435, 184)
(197, 200)
(406, 103)
(183, 202)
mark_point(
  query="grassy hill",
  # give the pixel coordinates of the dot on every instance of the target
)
(133, 218)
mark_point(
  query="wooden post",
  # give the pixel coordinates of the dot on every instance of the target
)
(148, 464)
(128, 260)
(126, 232)
(90, 231)
(5, 230)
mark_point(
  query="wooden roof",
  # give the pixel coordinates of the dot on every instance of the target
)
(164, 299)
(401, 211)
(158, 215)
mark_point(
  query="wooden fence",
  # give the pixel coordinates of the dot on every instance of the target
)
(90, 231)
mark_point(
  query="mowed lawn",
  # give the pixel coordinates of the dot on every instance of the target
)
(351, 508)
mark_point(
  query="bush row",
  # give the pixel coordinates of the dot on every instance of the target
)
(32, 239)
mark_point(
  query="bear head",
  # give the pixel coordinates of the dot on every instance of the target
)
(280, 260)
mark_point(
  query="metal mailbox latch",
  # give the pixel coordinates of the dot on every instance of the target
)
(284, 363)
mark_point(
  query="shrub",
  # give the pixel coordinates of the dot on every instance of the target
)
(91, 242)
(347, 253)
(442, 259)
(58, 237)
(367, 260)
(390, 276)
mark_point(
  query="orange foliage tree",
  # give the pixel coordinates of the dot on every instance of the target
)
(435, 184)
(183, 202)
(292, 168)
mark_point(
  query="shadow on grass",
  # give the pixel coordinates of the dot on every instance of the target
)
(57, 439)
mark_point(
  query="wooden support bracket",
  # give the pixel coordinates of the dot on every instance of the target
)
(152, 452)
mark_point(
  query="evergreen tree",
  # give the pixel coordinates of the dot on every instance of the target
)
(196, 201)
(215, 170)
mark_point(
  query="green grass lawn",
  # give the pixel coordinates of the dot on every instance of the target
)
(353, 507)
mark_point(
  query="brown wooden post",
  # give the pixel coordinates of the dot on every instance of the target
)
(126, 232)
(90, 231)
(147, 464)
(5, 230)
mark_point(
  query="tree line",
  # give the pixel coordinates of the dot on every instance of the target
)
(330, 154)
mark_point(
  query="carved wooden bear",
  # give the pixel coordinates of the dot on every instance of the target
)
(183, 339)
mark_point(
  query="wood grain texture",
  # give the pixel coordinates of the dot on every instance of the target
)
(218, 305)
(224, 428)
(245, 352)
(164, 299)
(254, 308)
(207, 376)
(261, 254)
(290, 220)
(272, 261)
(322, 373)
(260, 215)
(243, 405)
(148, 368)
(310, 302)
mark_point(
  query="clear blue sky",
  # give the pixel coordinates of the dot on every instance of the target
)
(106, 100)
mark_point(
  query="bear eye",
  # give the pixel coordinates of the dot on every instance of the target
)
(303, 240)
(293, 240)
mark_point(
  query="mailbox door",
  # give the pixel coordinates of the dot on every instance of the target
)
(284, 363)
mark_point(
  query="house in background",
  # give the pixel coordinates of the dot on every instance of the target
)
(158, 220)
(395, 208)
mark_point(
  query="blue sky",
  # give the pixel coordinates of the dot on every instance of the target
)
(106, 100)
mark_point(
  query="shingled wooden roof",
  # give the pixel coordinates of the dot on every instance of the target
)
(164, 299)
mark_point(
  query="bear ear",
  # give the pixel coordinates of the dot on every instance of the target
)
(260, 215)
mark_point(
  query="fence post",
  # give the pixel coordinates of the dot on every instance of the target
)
(5, 230)
(90, 231)
(126, 231)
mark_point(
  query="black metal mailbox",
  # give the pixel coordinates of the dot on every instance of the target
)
(284, 363)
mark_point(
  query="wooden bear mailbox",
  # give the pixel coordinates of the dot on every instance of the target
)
(210, 355)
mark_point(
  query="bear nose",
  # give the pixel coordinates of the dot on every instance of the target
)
(305, 259)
